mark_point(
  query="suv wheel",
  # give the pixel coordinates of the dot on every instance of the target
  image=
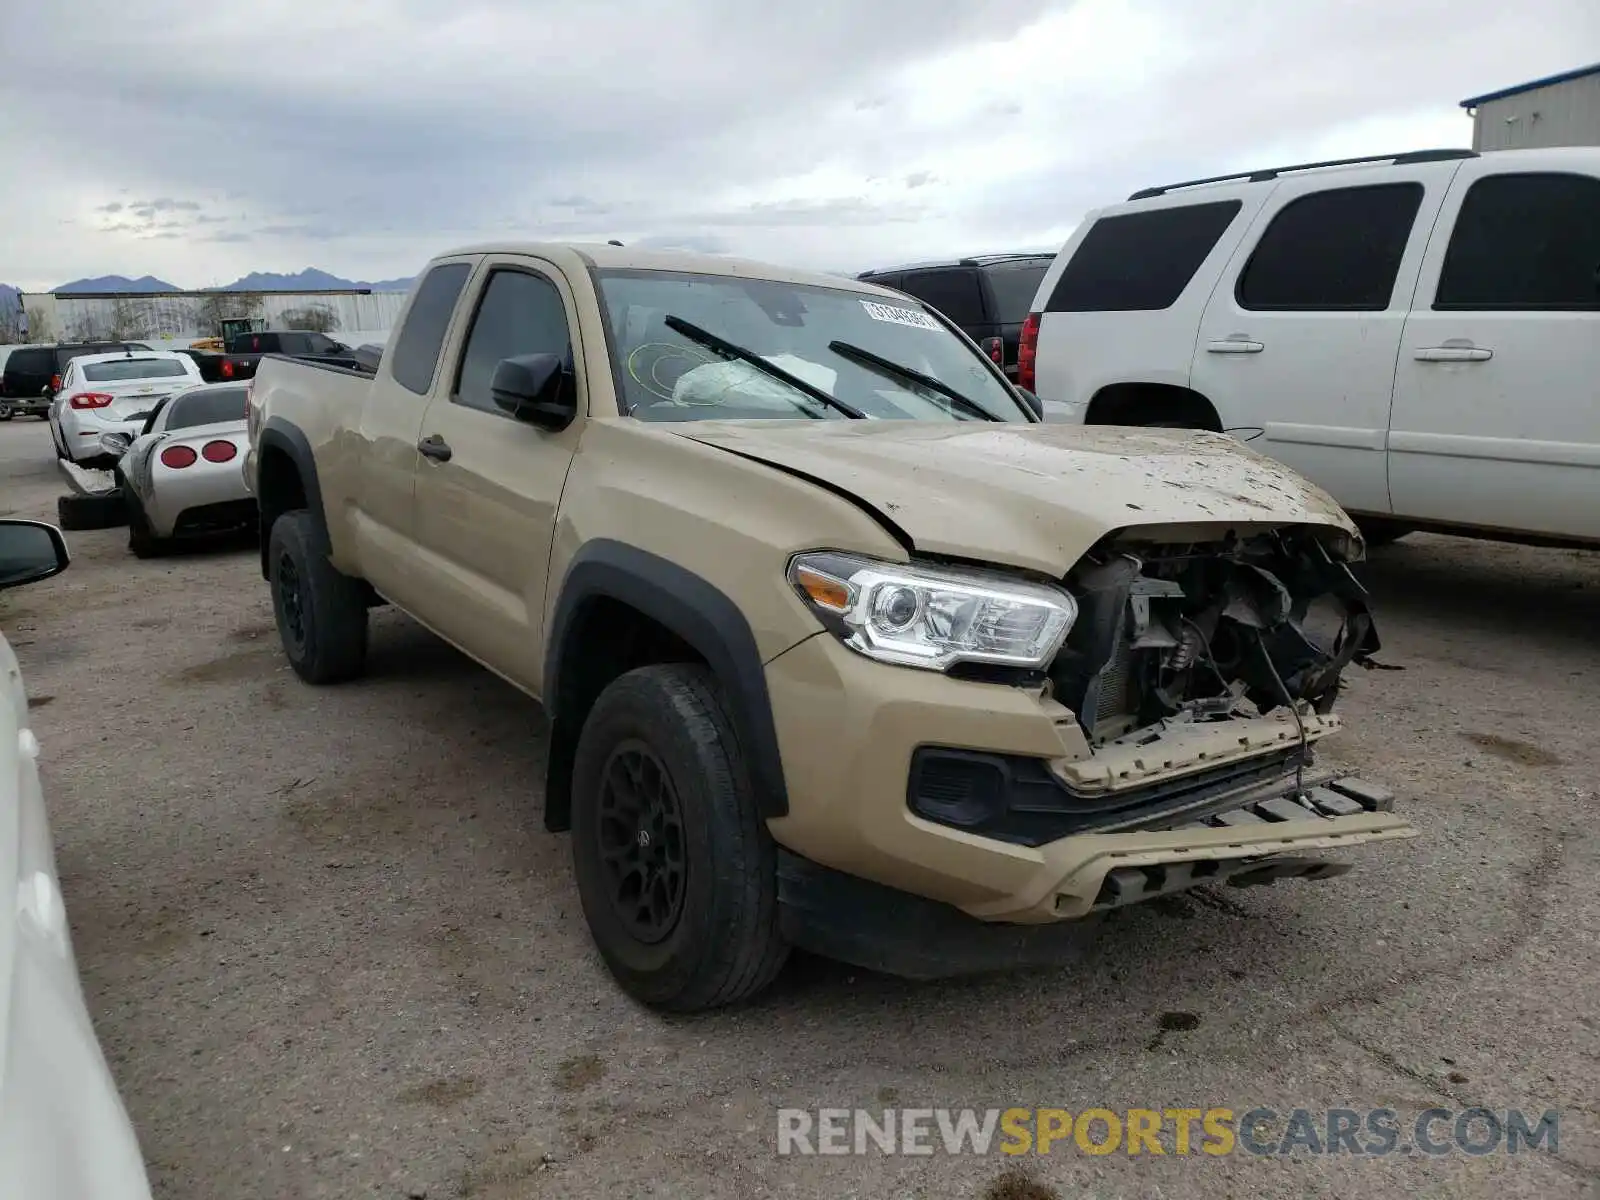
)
(676, 871)
(321, 613)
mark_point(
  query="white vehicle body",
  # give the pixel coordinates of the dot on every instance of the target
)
(64, 1134)
(182, 473)
(104, 393)
(1418, 334)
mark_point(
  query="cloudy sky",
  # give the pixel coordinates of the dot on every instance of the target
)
(198, 140)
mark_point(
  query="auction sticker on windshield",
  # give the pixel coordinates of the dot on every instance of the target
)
(900, 316)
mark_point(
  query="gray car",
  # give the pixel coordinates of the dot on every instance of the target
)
(180, 476)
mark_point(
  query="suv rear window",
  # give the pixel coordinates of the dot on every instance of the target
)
(416, 350)
(1140, 261)
(953, 291)
(31, 362)
(1014, 285)
(1337, 250)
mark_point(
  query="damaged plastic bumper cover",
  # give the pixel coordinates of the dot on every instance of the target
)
(1272, 834)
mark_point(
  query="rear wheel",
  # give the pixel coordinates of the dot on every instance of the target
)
(676, 871)
(321, 613)
(142, 542)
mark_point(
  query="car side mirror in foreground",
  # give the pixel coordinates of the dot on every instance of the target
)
(1032, 401)
(535, 388)
(30, 551)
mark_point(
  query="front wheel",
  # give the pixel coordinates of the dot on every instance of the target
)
(676, 872)
(6, 411)
(321, 613)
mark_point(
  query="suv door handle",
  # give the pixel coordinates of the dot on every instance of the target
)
(435, 447)
(1234, 345)
(1453, 354)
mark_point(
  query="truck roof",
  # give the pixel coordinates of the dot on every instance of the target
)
(622, 258)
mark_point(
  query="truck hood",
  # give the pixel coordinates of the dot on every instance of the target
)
(1033, 496)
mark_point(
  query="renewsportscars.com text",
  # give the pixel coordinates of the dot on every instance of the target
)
(1215, 1131)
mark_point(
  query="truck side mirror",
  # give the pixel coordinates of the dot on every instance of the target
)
(30, 551)
(535, 388)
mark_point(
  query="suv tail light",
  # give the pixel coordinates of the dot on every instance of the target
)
(227, 369)
(55, 383)
(1028, 352)
(996, 349)
(178, 457)
(89, 400)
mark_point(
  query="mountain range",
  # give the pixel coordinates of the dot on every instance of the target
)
(309, 280)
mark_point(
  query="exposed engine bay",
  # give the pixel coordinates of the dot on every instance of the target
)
(1209, 631)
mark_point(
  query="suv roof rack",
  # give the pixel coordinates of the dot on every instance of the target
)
(1270, 173)
(971, 260)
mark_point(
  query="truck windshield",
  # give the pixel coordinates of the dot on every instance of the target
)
(662, 375)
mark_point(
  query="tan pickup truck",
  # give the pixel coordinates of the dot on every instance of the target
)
(830, 658)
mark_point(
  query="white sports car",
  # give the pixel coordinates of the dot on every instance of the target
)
(64, 1134)
(112, 393)
(178, 472)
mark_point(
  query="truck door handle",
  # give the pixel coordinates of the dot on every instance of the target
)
(1453, 354)
(1234, 345)
(435, 447)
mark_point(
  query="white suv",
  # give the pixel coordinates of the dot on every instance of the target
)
(1418, 333)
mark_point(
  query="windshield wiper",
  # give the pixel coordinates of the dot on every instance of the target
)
(888, 366)
(729, 350)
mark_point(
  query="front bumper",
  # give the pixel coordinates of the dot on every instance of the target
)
(849, 729)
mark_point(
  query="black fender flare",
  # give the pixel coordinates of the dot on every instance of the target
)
(276, 436)
(692, 609)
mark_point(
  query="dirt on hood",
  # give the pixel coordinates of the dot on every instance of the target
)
(1032, 496)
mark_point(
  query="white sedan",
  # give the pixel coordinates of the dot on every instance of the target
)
(64, 1133)
(112, 393)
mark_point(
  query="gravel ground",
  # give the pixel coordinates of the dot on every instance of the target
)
(332, 953)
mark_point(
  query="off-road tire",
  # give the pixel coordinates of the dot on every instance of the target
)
(724, 945)
(321, 614)
(78, 512)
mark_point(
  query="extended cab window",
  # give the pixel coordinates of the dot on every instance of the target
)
(416, 350)
(954, 292)
(1337, 250)
(520, 313)
(1140, 261)
(1525, 242)
(811, 332)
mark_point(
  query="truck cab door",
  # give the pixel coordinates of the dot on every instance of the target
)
(488, 486)
(390, 423)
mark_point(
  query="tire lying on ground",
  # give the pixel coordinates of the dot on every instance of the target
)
(105, 511)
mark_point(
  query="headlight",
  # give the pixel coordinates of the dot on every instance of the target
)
(934, 617)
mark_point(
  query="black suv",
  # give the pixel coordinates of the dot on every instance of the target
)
(988, 295)
(33, 373)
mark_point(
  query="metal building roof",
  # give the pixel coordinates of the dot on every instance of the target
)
(1518, 89)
